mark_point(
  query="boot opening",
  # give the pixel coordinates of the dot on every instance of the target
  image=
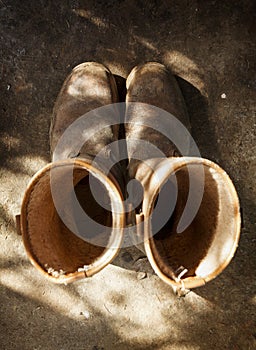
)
(49, 235)
(204, 247)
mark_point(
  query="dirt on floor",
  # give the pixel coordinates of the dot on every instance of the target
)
(210, 47)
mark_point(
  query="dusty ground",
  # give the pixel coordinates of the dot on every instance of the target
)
(210, 45)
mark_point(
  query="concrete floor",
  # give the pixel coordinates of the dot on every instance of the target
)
(210, 46)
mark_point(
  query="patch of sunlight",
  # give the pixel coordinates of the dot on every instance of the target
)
(140, 311)
(184, 67)
(145, 43)
(14, 180)
(201, 304)
(130, 304)
(29, 164)
(32, 285)
(116, 297)
(93, 19)
(10, 142)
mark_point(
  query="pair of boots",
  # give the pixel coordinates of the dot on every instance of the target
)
(79, 210)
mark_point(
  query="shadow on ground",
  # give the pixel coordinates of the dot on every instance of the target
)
(110, 319)
(210, 47)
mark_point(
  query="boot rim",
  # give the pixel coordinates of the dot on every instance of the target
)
(118, 224)
(148, 205)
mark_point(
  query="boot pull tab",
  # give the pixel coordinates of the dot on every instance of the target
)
(18, 227)
(139, 225)
(130, 217)
(181, 291)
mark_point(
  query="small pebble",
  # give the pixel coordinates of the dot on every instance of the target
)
(141, 275)
(86, 314)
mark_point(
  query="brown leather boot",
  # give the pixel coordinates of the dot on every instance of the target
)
(89, 87)
(189, 215)
(150, 87)
(67, 233)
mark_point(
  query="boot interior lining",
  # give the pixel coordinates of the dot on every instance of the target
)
(206, 243)
(54, 246)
